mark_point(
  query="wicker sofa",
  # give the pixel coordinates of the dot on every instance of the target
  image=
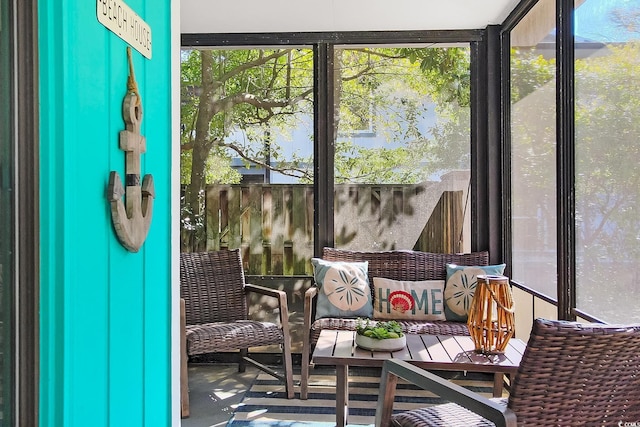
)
(396, 265)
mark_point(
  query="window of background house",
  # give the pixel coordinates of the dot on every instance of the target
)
(402, 149)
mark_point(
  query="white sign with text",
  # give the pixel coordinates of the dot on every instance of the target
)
(126, 24)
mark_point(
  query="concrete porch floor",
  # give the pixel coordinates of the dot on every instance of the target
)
(215, 389)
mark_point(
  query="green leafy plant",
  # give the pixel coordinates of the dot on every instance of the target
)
(379, 330)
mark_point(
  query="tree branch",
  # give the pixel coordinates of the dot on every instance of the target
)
(288, 171)
(206, 143)
(266, 104)
(247, 65)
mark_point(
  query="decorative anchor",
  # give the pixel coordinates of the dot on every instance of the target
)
(131, 219)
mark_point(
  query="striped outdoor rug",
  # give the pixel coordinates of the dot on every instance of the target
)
(265, 403)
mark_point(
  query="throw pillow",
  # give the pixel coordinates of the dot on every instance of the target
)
(405, 300)
(460, 287)
(343, 289)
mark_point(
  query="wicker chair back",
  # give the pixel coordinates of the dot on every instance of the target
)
(406, 265)
(571, 374)
(582, 374)
(212, 286)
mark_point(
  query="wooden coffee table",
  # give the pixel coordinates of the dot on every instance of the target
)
(431, 352)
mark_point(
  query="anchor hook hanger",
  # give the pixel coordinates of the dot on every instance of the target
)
(131, 218)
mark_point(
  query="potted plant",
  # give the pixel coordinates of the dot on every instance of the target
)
(380, 336)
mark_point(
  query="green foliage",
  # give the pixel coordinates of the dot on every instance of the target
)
(355, 164)
(533, 124)
(450, 146)
(379, 330)
(608, 152)
(529, 72)
(448, 71)
(192, 225)
(217, 168)
(384, 90)
(235, 92)
(388, 92)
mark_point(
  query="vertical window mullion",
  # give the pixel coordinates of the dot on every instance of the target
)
(505, 114)
(495, 166)
(324, 138)
(565, 160)
(478, 130)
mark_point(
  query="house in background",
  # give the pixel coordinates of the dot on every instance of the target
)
(88, 332)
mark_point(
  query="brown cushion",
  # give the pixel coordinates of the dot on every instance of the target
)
(212, 337)
(445, 415)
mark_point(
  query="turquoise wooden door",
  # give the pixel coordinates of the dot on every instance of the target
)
(105, 355)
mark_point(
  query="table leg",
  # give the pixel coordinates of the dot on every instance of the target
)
(342, 395)
(498, 383)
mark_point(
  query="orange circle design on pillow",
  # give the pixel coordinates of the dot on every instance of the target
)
(401, 301)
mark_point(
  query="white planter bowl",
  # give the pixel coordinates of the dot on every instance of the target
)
(389, 344)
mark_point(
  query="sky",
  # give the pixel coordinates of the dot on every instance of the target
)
(593, 20)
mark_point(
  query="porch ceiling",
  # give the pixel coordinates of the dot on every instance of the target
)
(249, 16)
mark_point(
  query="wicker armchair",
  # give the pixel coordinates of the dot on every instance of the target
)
(571, 374)
(214, 315)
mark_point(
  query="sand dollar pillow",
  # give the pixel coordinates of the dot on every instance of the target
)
(460, 287)
(406, 300)
(343, 289)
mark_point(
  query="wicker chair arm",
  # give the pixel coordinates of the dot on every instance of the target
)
(282, 304)
(184, 386)
(263, 290)
(183, 328)
(309, 295)
(394, 369)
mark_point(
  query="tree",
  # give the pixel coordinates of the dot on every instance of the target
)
(397, 91)
(224, 91)
(608, 155)
(236, 100)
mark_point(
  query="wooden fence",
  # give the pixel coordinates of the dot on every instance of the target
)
(273, 223)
